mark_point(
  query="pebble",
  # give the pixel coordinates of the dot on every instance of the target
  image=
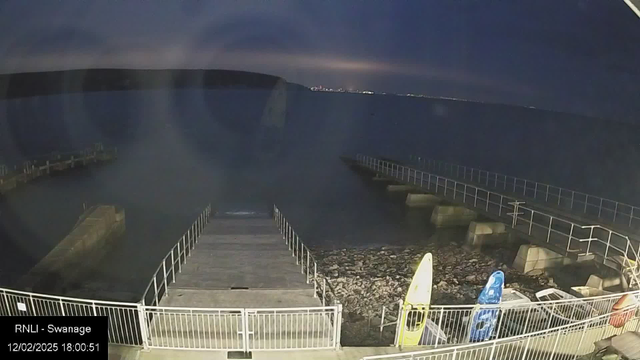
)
(370, 278)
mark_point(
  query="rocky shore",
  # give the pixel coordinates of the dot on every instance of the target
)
(366, 279)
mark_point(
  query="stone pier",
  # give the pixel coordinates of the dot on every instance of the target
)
(451, 215)
(92, 236)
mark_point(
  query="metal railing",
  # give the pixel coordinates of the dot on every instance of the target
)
(565, 342)
(610, 211)
(294, 328)
(195, 328)
(609, 247)
(308, 265)
(453, 321)
(242, 329)
(124, 324)
(45, 164)
(165, 274)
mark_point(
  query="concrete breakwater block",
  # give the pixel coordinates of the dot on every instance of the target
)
(449, 215)
(399, 188)
(486, 233)
(422, 200)
(532, 257)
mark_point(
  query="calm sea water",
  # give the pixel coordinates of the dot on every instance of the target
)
(182, 149)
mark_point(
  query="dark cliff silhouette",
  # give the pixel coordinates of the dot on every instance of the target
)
(87, 80)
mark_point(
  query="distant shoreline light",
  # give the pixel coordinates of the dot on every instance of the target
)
(369, 92)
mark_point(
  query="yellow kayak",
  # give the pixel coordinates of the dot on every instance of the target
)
(416, 304)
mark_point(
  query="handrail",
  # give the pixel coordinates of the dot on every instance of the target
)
(5, 291)
(298, 248)
(557, 232)
(607, 209)
(580, 325)
(188, 241)
(450, 319)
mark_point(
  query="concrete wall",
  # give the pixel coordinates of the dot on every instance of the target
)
(94, 233)
(448, 215)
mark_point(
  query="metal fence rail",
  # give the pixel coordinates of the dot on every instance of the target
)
(610, 211)
(294, 328)
(243, 329)
(46, 164)
(308, 265)
(195, 328)
(565, 342)
(124, 325)
(513, 319)
(165, 274)
(608, 247)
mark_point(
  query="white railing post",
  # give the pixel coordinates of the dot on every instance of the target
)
(526, 347)
(155, 289)
(164, 275)
(590, 239)
(338, 325)
(493, 350)
(308, 255)
(144, 331)
(559, 195)
(62, 308)
(33, 308)
(475, 198)
(600, 208)
(546, 197)
(6, 302)
(631, 216)
(570, 235)
(324, 290)
(555, 345)
(586, 201)
(179, 259)
(439, 325)
(184, 247)
(550, 225)
(396, 341)
(606, 252)
(487, 209)
(301, 253)
(581, 340)
(615, 212)
(315, 279)
(173, 269)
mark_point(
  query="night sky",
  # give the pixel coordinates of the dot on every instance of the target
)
(578, 56)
